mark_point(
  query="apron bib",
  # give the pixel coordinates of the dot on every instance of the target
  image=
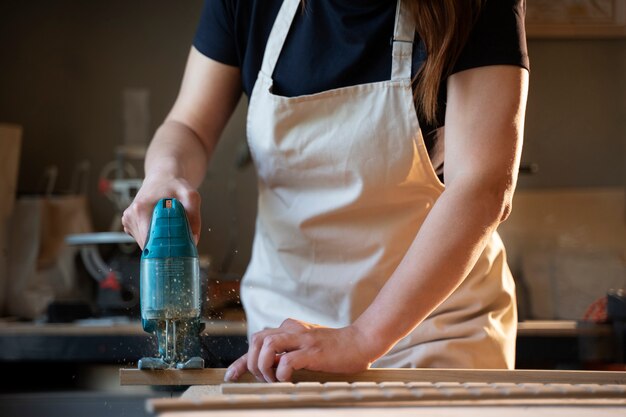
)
(345, 182)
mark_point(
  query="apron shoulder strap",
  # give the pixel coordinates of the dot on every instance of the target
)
(403, 36)
(278, 35)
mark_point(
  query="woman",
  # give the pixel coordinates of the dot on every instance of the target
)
(361, 256)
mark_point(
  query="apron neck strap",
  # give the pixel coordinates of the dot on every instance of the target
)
(278, 35)
(403, 35)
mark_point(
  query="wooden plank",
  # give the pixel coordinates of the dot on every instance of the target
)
(367, 395)
(215, 376)
(569, 409)
(475, 407)
(166, 405)
(473, 388)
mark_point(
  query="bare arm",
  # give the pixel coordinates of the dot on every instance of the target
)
(483, 134)
(178, 155)
(484, 128)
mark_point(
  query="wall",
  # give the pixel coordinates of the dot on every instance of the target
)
(576, 118)
(65, 64)
(566, 237)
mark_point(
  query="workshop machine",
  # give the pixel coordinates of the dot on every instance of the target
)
(170, 289)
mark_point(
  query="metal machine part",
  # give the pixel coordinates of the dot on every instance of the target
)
(118, 292)
(170, 289)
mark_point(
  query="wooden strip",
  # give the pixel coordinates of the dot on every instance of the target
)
(215, 376)
(473, 388)
(316, 387)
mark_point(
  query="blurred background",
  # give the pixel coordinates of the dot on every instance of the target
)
(84, 85)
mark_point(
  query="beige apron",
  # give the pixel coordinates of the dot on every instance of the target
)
(345, 183)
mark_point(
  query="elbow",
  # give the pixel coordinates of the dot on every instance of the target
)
(491, 200)
(506, 208)
(487, 190)
(498, 198)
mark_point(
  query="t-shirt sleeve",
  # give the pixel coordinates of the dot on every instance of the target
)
(215, 35)
(498, 37)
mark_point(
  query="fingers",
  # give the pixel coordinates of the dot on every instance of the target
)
(256, 344)
(267, 344)
(191, 201)
(273, 347)
(136, 218)
(290, 362)
(275, 354)
(236, 369)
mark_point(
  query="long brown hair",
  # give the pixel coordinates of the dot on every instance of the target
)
(444, 27)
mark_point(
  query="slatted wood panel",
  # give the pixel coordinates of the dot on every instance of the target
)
(368, 394)
(215, 376)
(488, 410)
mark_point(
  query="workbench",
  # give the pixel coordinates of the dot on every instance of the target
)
(66, 346)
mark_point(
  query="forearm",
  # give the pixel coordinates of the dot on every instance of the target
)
(182, 146)
(176, 151)
(444, 251)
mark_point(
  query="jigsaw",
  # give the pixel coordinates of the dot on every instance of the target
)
(170, 289)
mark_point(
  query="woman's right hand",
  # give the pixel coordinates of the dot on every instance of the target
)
(136, 218)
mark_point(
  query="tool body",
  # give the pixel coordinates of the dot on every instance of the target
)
(170, 289)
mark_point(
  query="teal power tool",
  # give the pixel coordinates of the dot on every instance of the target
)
(170, 289)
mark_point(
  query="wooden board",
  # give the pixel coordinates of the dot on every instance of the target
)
(470, 389)
(566, 410)
(215, 376)
(367, 394)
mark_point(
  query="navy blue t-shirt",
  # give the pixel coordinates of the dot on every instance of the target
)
(338, 43)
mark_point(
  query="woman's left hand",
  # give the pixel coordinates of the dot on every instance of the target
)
(274, 354)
